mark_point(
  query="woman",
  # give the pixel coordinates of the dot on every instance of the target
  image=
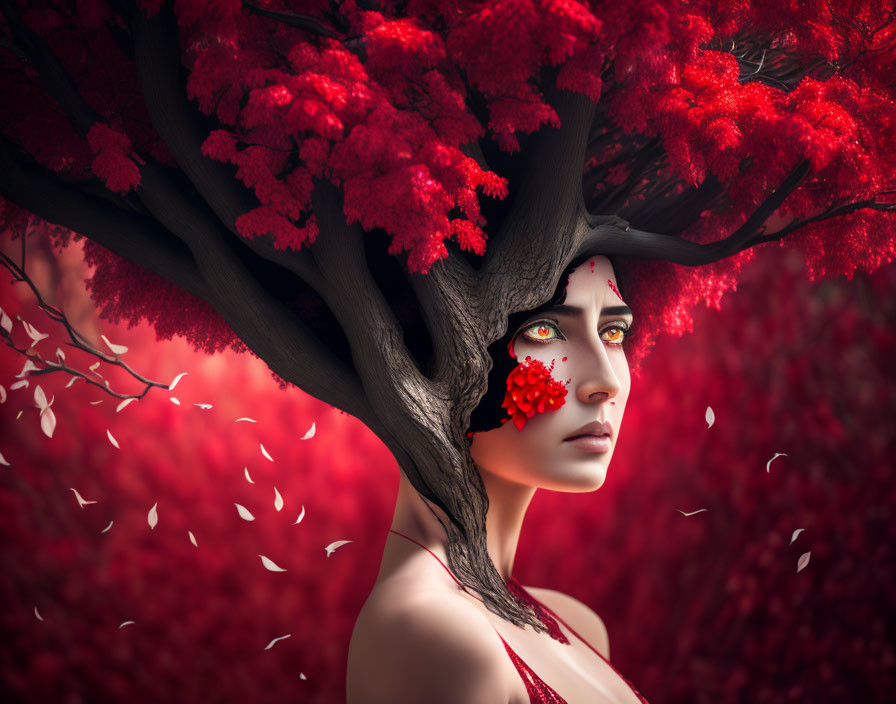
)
(421, 636)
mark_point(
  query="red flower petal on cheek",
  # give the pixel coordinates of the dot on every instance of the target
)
(529, 382)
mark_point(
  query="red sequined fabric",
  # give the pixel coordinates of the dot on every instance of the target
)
(539, 691)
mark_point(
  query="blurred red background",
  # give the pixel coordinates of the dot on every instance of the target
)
(702, 608)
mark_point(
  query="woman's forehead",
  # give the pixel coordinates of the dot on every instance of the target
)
(593, 280)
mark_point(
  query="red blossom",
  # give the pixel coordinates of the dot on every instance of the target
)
(531, 389)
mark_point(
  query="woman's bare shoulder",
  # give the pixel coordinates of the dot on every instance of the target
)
(413, 644)
(579, 616)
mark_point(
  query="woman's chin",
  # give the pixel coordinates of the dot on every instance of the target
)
(578, 479)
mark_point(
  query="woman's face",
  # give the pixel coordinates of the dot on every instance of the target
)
(582, 339)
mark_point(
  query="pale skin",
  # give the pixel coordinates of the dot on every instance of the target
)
(420, 637)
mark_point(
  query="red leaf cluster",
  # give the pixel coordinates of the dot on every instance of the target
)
(531, 389)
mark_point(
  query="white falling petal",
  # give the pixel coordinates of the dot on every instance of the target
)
(803, 561)
(39, 617)
(176, 379)
(795, 533)
(248, 478)
(112, 439)
(245, 420)
(48, 421)
(153, 516)
(116, 349)
(203, 406)
(265, 452)
(126, 623)
(310, 434)
(60, 354)
(331, 548)
(40, 398)
(192, 538)
(5, 321)
(710, 417)
(278, 500)
(175, 400)
(777, 455)
(270, 565)
(302, 676)
(691, 513)
(94, 403)
(301, 516)
(33, 333)
(23, 384)
(244, 513)
(72, 381)
(19, 414)
(107, 527)
(94, 367)
(3, 460)
(125, 403)
(28, 367)
(81, 501)
(2, 394)
(271, 644)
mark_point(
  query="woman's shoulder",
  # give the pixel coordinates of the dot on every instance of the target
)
(413, 643)
(580, 617)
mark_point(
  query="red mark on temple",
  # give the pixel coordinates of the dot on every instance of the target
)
(592, 266)
(613, 286)
(531, 389)
(564, 359)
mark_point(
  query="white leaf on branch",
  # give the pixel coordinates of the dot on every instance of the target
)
(301, 516)
(125, 403)
(271, 644)
(310, 434)
(245, 420)
(5, 321)
(803, 561)
(94, 403)
(192, 538)
(94, 367)
(60, 354)
(270, 565)
(23, 384)
(40, 398)
(175, 400)
(112, 440)
(691, 513)
(244, 513)
(81, 501)
(795, 533)
(278, 500)
(710, 417)
(331, 548)
(116, 349)
(769, 463)
(72, 381)
(34, 334)
(107, 527)
(29, 367)
(3, 461)
(176, 379)
(153, 516)
(265, 452)
(248, 478)
(203, 406)
(126, 623)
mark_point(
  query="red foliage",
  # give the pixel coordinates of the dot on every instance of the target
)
(531, 389)
(383, 109)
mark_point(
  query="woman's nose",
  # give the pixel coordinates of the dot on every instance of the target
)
(598, 381)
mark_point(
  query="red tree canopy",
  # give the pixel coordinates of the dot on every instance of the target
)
(730, 111)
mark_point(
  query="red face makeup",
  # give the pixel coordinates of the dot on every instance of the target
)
(531, 389)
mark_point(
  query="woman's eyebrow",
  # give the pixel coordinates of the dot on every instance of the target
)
(575, 310)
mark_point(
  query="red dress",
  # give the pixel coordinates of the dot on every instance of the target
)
(539, 691)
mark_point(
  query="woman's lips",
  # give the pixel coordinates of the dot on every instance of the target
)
(590, 443)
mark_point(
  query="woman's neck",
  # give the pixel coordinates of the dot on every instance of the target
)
(508, 502)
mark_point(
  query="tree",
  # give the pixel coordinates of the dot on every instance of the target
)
(242, 168)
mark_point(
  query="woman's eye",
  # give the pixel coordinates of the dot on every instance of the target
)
(615, 334)
(541, 332)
